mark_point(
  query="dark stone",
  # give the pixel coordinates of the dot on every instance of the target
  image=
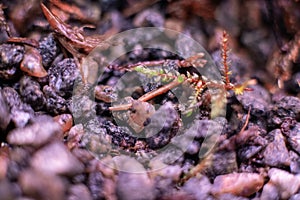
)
(62, 76)
(48, 49)
(5, 112)
(276, 153)
(30, 91)
(10, 57)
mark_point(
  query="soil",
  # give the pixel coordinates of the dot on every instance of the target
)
(60, 142)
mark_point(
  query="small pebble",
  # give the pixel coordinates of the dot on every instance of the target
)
(10, 57)
(48, 49)
(293, 137)
(65, 121)
(62, 76)
(287, 106)
(257, 100)
(295, 197)
(240, 184)
(79, 192)
(56, 158)
(95, 184)
(295, 162)
(42, 185)
(223, 162)
(276, 153)
(9, 191)
(149, 17)
(163, 126)
(74, 136)
(4, 160)
(54, 103)
(167, 171)
(20, 112)
(35, 134)
(32, 63)
(30, 91)
(287, 184)
(5, 114)
(132, 175)
(270, 192)
(202, 183)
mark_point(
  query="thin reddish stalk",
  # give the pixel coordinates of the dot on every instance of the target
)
(225, 58)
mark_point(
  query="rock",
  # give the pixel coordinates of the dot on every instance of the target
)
(30, 91)
(8, 190)
(149, 17)
(258, 100)
(177, 195)
(207, 130)
(163, 126)
(295, 162)
(4, 110)
(293, 137)
(20, 112)
(168, 155)
(133, 182)
(240, 184)
(35, 134)
(18, 160)
(109, 189)
(193, 148)
(231, 197)
(62, 76)
(203, 128)
(163, 185)
(120, 135)
(74, 136)
(276, 153)
(203, 187)
(102, 179)
(223, 162)
(247, 152)
(56, 158)
(54, 103)
(10, 57)
(4, 161)
(39, 185)
(287, 184)
(79, 192)
(48, 49)
(167, 171)
(134, 187)
(270, 192)
(164, 176)
(295, 197)
(287, 106)
(95, 184)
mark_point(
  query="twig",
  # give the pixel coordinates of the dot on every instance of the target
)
(246, 122)
(148, 95)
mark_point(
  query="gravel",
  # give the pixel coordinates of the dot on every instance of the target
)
(36, 134)
(276, 153)
(58, 140)
(57, 159)
(240, 184)
(282, 184)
